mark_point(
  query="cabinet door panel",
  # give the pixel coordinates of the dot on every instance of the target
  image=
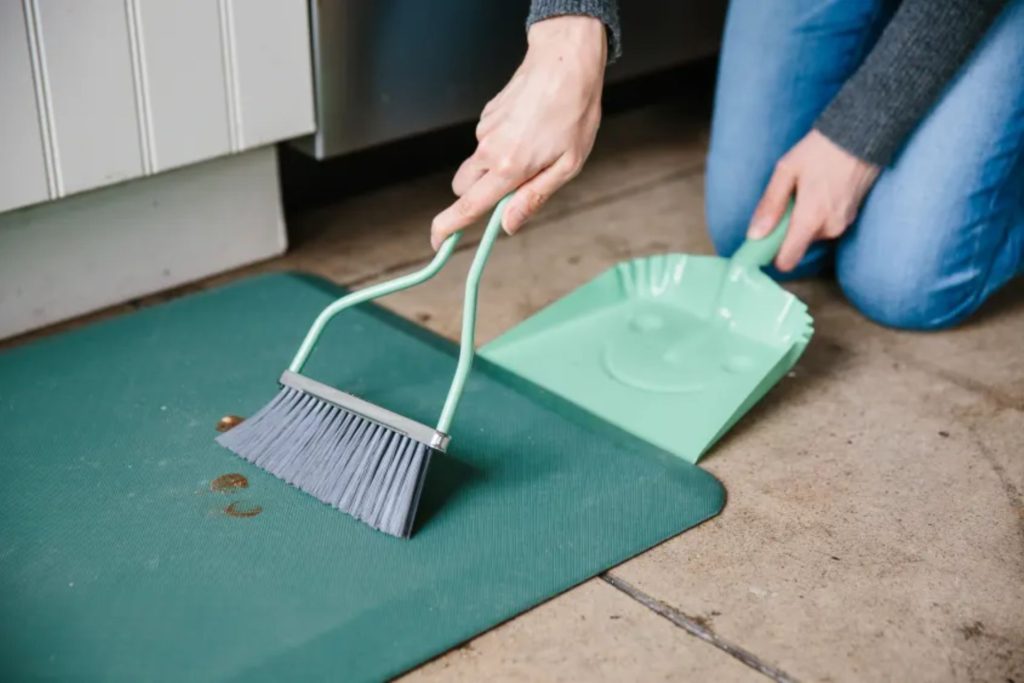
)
(274, 80)
(185, 84)
(22, 162)
(87, 61)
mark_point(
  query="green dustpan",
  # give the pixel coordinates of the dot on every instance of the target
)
(673, 348)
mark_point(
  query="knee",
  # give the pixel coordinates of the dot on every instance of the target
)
(725, 227)
(905, 298)
(730, 195)
(911, 263)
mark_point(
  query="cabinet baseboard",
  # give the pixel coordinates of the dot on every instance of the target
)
(65, 258)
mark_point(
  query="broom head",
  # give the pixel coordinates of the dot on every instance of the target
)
(351, 454)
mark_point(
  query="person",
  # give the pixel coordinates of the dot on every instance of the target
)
(896, 128)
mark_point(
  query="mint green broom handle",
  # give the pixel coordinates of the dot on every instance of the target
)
(382, 289)
(467, 345)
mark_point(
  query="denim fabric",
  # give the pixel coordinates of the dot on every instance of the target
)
(943, 227)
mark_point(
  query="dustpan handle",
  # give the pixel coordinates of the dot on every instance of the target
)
(374, 292)
(761, 252)
(467, 343)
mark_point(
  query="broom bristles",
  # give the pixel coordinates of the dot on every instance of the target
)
(359, 466)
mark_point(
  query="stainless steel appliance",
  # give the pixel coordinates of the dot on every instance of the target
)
(388, 69)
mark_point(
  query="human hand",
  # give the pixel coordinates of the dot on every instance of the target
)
(538, 131)
(830, 184)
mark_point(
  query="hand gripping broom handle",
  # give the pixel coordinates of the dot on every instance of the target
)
(466, 347)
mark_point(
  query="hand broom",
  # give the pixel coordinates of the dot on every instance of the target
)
(358, 457)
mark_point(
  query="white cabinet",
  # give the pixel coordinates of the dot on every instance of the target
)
(95, 92)
(167, 111)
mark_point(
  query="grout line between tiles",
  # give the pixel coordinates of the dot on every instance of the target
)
(586, 205)
(694, 628)
(1013, 494)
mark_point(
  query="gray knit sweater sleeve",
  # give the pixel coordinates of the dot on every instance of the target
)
(605, 10)
(917, 54)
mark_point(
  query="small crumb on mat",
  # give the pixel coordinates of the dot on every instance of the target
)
(229, 422)
(229, 482)
(237, 509)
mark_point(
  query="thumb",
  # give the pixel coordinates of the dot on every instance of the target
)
(773, 203)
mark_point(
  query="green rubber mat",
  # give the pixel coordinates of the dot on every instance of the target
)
(119, 560)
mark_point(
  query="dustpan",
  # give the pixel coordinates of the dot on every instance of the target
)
(672, 348)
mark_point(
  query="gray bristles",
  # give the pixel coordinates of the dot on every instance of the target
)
(359, 466)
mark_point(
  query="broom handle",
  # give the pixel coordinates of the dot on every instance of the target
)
(467, 344)
(378, 290)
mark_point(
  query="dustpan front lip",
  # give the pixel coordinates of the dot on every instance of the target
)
(382, 416)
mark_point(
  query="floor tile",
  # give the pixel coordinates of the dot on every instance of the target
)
(592, 633)
(982, 354)
(874, 529)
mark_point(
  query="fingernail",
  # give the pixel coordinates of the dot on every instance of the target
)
(760, 227)
(516, 218)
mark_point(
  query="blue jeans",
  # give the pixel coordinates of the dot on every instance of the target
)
(943, 228)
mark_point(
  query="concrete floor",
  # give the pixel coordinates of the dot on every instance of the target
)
(875, 523)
